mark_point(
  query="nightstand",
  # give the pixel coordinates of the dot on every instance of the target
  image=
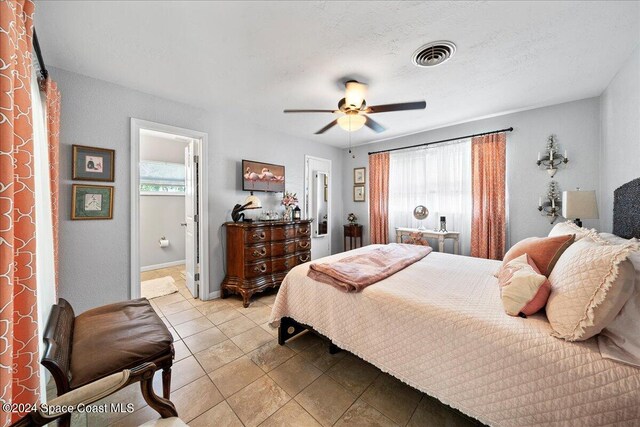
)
(353, 232)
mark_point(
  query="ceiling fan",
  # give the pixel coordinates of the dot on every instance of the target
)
(353, 109)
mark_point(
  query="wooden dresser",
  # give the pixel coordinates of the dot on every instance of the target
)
(261, 253)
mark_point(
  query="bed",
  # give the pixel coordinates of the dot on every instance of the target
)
(440, 327)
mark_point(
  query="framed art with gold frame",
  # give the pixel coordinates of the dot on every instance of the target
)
(93, 163)
(91, 201)
(358, 193)
(359, 175)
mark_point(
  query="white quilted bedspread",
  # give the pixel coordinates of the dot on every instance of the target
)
(439, 326)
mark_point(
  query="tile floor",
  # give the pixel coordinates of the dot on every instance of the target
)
(230, 371)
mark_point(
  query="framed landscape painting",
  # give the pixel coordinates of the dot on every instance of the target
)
(91, 202)
(93, 163)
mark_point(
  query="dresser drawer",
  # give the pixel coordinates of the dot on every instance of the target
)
(255, 235)
(303, 257)
(303, 245)
(257, 252)
(303, 230)
(283, 263)
(283, 233)
(257, 269)
(283, 248)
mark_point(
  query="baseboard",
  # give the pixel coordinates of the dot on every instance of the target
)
(213, 295)
(165, 265)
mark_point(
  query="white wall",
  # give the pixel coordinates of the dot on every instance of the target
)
(161, 215)
(620, 154)
(95, 256)
(577, 126)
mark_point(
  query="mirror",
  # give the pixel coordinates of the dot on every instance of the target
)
(320, 200)
(421, 213)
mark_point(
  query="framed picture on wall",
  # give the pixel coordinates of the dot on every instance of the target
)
(93, 163)
(91, 202)
(359, 175)
(358, 193)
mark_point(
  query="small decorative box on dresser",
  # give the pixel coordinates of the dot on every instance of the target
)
(261, 253)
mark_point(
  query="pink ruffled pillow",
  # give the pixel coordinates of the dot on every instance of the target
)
(522, 288)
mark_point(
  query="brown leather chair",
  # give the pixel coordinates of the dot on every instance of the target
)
(105, 340)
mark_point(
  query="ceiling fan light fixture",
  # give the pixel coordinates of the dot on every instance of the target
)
(355, 93)
(351, 122)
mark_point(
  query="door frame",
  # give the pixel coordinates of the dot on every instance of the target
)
(307, 191)
(203, 207)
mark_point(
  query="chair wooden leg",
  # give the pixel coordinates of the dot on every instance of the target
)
(164, 407)
(65, 421)
(166, 382)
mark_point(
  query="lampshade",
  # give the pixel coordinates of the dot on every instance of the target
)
(355, 93)
(351, 122)
(579, 204)
(254, 202)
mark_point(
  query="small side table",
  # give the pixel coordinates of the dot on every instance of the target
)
(440, 235)
(353, 232)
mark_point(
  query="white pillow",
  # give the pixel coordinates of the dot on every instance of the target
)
(620, 340)
(568, 227)
(590, 284)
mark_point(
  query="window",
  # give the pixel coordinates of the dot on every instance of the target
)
(438, 177)
(161, 178)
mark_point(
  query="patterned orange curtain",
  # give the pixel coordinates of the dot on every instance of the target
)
(19, 367)
(488, 169)
(379, 198)
(53, 128)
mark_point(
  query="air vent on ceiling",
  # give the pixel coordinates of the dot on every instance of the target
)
(434, 53)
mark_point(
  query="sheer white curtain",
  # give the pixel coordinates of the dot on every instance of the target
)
(45, 267)
(438, 177)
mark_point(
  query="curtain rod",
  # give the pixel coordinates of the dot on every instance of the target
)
(36, 47)
(442, 140)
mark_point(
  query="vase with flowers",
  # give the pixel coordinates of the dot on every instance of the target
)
(289, 200)
(352, 218)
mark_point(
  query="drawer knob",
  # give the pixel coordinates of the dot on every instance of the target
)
(261, 253)
(304, 245)
(256, 236)
(286, 263)
(305, 259)
(260, 269)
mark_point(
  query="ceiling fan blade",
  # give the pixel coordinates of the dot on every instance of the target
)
(308, 111)
(419, 105)
(372, 124)
(327, 127)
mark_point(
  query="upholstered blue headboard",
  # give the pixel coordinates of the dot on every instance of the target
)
(626, 210)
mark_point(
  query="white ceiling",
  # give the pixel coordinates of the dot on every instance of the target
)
(257, 58)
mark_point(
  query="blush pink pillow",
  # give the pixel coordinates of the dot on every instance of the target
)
(522, 288)
(544, 251)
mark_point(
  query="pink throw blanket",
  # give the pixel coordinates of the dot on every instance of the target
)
(354, 273)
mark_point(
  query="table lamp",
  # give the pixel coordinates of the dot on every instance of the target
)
(251, 202)
(578, 205)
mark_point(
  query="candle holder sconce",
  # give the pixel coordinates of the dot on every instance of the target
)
(552, 158)
(551, 205)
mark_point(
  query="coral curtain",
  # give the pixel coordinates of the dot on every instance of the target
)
(19, 368)
(379, 198)
(488, 177)
(53, 134)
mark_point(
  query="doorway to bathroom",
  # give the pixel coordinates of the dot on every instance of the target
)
(169, 226)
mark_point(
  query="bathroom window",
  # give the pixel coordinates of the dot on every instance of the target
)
(161, 178)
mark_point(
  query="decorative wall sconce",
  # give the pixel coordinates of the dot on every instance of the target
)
(551, 206)
(552, 157)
